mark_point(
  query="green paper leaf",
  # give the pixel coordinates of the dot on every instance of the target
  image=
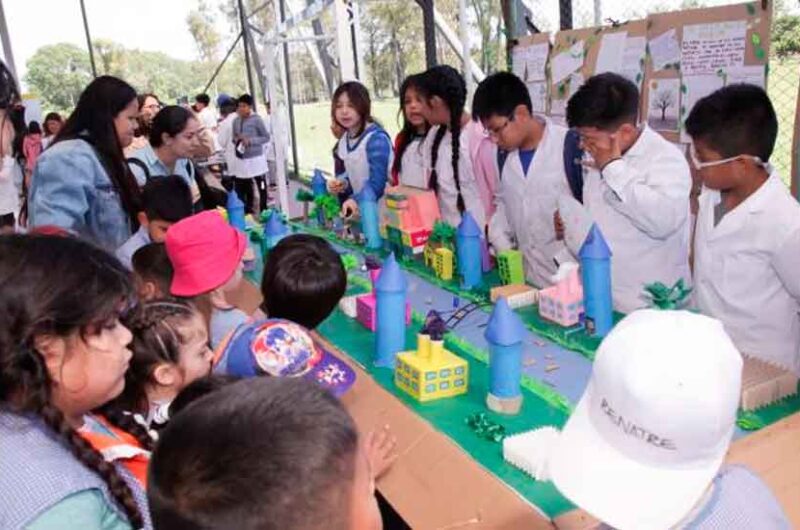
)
(684, 89)
(749, 421)
(751, 9)
(760, 53)
(755, 38)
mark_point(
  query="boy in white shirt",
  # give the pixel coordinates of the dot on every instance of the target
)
(747, 239)
(637, 189)
(533, 174)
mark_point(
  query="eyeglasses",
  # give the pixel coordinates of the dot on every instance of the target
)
(496, 132)
(698, 165)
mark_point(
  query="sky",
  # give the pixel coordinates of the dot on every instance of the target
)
(153, 25)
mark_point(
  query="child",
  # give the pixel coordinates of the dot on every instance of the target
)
(206, 253)
(303, 281)
(166, 201)
(170, 350)
(637, 192)
(365, 148)
(449, 166)
(310, 471)
(747, 239)
(537, 168)
(197, 389)
(152, 272)
(409, 166)
(63, 353)
(645, 445)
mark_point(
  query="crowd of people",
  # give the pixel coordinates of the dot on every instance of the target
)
(135, 393)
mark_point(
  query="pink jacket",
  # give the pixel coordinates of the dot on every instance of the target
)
(483, 153)
(31, 149)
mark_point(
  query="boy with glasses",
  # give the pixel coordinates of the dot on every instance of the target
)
(537, 166)
(636, 189)
(747, 239)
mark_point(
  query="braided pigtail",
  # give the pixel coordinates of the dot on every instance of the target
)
(445, 81)
(157, 338)
(433, 182)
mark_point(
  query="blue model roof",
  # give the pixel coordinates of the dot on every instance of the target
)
(366, 194)
(595, 246)
(391, 279)
(468, 226)
(318, 186)
(275, 225)
(505, 327)
(233, 201)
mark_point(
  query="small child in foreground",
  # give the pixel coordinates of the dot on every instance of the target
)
(170, 350)
(263, 454)
(303, 280)
(645, 446)
(206, 253)
(152, 272)
(166, 201)
(747, 240)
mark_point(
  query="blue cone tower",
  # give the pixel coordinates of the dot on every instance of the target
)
(368, 208)
(235, 208)
(390, 309)
(274, 230)
(595, 256)
(468, 246)
(505, 334)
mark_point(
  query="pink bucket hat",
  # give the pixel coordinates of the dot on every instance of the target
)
(204, 251)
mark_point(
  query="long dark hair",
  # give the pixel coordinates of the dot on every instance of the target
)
(158, 333)
(56, 285)
(93, 120)
(51, 116)
(445, 81)
(142, 128)
(408, 133)
(171, 120)
(359, 98)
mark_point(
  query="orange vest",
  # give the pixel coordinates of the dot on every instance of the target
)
(122, 447)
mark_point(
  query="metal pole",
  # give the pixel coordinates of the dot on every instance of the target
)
(221, 64)
(88, 39)
(242, 21)
(290, 104)
(429, 28)
(6, 39)
(565, 8)
(598, 12)
(465, 50)
(351, 21)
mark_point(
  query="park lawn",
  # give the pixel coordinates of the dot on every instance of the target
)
(782, 83)
(314, 139)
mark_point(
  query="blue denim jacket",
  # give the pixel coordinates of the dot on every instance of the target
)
(72, 190)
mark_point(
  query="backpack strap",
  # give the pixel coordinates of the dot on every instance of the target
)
(141, 165)
(572, 164)
(502, 156)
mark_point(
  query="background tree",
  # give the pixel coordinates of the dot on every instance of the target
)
(664, 99)
(58, 73)
(201, 24)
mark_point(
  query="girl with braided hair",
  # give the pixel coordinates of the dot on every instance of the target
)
(448, 146)
(63, 353)
(170, 350)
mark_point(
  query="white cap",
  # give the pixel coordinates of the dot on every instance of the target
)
(653, 426)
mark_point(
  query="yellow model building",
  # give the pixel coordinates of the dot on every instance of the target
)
(443, 263)
(431, 372)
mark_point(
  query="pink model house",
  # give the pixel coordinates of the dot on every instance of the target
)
(563, 302)
(365, 305)
(407, 217)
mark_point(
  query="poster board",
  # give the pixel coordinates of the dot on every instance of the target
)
(694, 52)
(530, 62)
(582, 53)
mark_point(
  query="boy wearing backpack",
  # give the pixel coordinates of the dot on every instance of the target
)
(536, 166)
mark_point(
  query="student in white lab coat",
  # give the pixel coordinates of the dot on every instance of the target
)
(449, 165)
(637, 190)
(365, 147)
(537, 166)
(747, 239)
(409, 164)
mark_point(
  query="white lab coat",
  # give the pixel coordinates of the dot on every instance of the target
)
(525, 204)
(447, 193)
(641, 204)
(747, 271)
(412, 165)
